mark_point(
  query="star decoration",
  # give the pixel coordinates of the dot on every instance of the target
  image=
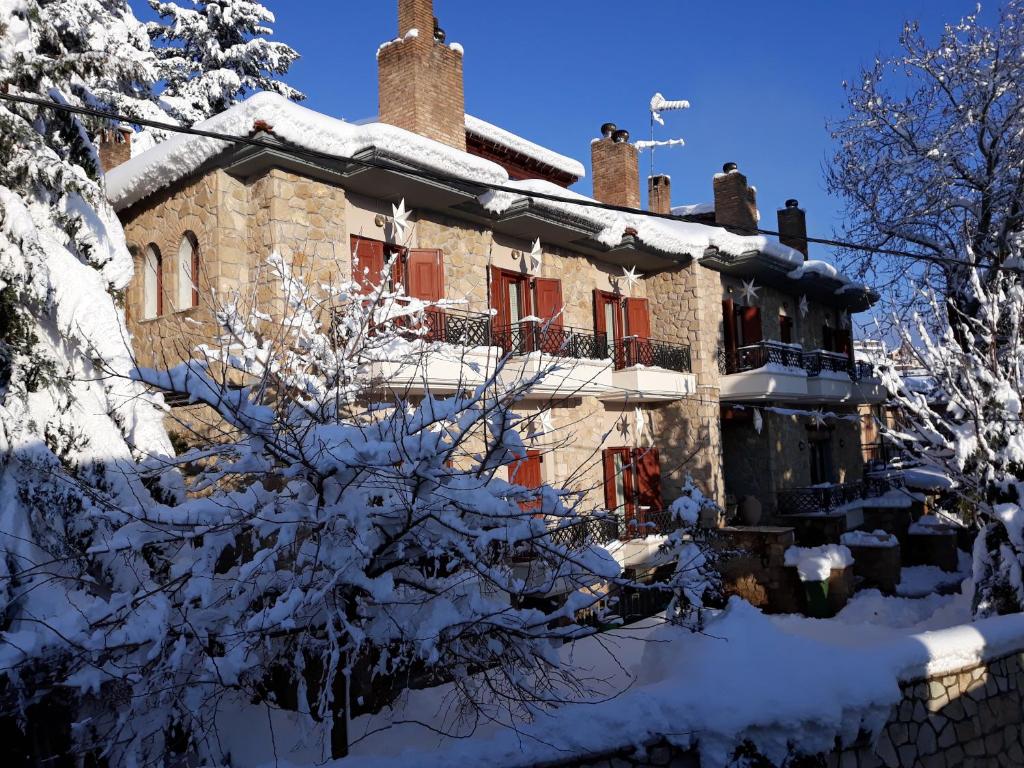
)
(819, 418)
(545, 427)
(536, 255)
(804, 306)
(750, 292)
(758, 421)
(622, 427)
(844, 319)
(631, 276)
(639, 425)
(400, 219)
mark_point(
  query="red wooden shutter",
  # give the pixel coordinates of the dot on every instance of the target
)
(370, 256)
(648, 481)
(599, 324)
(195, 275)
(425, 268)
(729, 321)
(549, 300)
(638, 318)
(751, 321)
(610, 502)
(526, 472)
(843, 344)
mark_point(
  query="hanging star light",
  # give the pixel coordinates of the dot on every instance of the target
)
(631, 276)
(750, 291)
(536, 255)
(758, 421)
(819, 418)
(400, 219)
(546, 425)
(622, 427)
(804, 306)
(844, 319)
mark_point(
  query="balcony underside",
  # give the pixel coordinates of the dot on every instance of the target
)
(438, 368)
(642, 384)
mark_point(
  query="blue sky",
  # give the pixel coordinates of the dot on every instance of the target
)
(763, 77)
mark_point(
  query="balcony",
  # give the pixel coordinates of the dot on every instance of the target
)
(771, 370)
(449, 353)
(650, 371)
(575, 361)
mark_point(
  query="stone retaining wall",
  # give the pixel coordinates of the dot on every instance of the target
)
(972, 717)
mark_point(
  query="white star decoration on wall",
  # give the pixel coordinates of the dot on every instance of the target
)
(638, 425)
(804, 306)
(750, 292)
(819, 418)
(536, 255)
(631, 276)
(400, 219)
(758, 421)
(622, 427)
(844, 319)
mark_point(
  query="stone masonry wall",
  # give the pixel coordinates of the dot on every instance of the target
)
(972, 718)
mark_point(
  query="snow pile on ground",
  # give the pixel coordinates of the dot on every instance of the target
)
(816, 563)
(872, 539)
(770, 679)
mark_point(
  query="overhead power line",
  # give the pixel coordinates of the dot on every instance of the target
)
(447, 178)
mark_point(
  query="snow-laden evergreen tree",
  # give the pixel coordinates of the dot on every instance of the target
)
(930, 158)
(968, 424)
(215, 52)
(70, 435)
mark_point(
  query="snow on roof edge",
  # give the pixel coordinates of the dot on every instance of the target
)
(498, 135)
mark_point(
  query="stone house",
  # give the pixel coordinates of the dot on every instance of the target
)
(710, 365)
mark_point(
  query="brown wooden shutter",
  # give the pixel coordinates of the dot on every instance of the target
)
(599, 323)
(610, 502)
(526, 472)
(648, 472)
(638, 318)
(729, 321)
(549, 300)
(751, 320)
(370, 256)
(425, 268)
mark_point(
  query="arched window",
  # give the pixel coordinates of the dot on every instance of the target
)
(152, 283)
(188, 272)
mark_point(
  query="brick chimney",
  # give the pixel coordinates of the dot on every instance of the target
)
(735, 202)
(659, 194)
(615, 164)
(420, 78)
(793, 227)
(115, 147)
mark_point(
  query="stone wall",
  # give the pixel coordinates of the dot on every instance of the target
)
(971, 718)
(807, 330)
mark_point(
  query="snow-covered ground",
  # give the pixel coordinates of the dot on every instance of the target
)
(769, 678)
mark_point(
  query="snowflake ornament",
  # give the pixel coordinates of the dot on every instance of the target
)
(750, 292)
(536, 255)
(400, 219)
(631, 276)
(804, 306)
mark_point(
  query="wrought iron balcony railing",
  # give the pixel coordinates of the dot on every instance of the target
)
(608, 527)
(825, 498)
(637, 351)
(466, 329)
(754, 356)
(819, 360)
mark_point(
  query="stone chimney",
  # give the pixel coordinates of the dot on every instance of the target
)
(615, 164)
(420, 78)
(659, 194)
(115, 147)
(735, 202)
(793, 227)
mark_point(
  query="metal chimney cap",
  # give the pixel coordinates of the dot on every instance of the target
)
(608, 129)
(730, 167)
(792, 203)
(620, 136)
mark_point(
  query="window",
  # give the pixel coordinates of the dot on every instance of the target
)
(742, 325)
(820, 443)
(152, 283)
(624, 328)
(369, 258)
(188, 273)
(785, 329)
(516, 297)
(632, 487)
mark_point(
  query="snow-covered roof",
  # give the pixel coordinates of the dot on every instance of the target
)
(695, 209)
(183, 155)
(519, 145)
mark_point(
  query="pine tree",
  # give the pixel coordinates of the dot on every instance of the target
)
(214, 54)
(65, 425)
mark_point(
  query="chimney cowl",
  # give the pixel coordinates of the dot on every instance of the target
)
(792, 203)
(439, 34)
(620, 136)
(608, 129)
(730, 167)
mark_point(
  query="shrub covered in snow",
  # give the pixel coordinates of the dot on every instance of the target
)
(696, 581)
